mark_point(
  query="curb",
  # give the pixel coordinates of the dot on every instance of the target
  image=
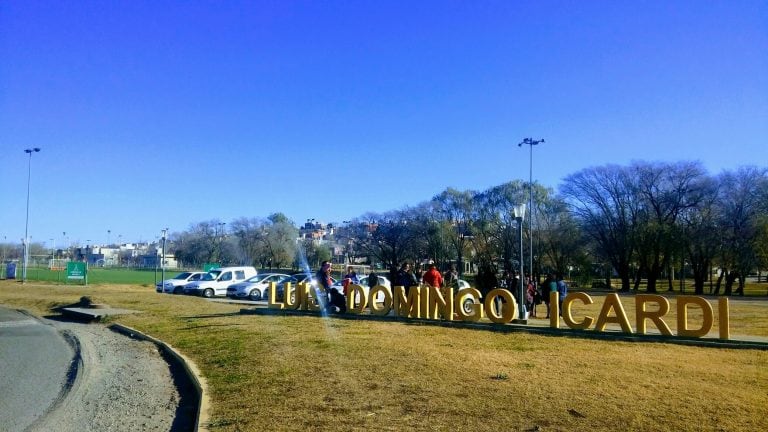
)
(193, 373)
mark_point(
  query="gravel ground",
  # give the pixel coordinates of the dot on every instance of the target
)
(121, 384)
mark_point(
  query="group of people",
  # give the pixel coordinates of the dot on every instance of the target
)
(406, 277)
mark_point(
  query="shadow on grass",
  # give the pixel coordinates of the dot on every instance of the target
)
(202, 317)
(218, 315)
(522, 328)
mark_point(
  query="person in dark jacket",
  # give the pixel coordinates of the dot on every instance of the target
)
(373, 278)
(336, 302)
(562, 291)
(406, 278)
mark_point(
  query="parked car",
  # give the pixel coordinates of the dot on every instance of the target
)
(176, 284)
(364, 283)
(256, 287)
(216, 281)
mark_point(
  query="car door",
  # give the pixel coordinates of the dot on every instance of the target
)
(224, 281)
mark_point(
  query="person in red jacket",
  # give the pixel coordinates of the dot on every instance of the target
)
(433, 277)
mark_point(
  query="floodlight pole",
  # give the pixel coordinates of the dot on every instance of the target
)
(26, 223)
(162, 258)
(530, 142)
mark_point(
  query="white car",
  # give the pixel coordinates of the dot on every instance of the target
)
(255, 288)
(364, 283)
(176, 285)
(216, 281)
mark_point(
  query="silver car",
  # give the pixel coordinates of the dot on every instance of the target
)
(176, 285)
(255, 288)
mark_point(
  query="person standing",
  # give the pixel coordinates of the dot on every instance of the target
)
(530, 296)
(406, 278)
(562, 291)
(451, 277)
(433, 277)
(335, 301)
(545, 290)
(373, 278)
(350, 278)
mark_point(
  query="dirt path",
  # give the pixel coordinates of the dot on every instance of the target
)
(121, 385)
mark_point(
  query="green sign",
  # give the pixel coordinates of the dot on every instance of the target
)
(77, 270)
(209, 266)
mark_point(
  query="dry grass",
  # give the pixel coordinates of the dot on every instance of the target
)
(308, 373)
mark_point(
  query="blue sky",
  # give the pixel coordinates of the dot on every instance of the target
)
(154, 114)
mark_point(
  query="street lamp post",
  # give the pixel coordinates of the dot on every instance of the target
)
(519, 214)
(530, 142)
(26, 223)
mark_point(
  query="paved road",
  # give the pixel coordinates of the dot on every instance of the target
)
(34, 362)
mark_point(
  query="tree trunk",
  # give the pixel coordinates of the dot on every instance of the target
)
(729, 279)
(670, 282)
(638, 278)
(719, 282)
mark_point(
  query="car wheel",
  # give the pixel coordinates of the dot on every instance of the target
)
(255, 294)
(466, 305)
(178, 290)
(208, 293)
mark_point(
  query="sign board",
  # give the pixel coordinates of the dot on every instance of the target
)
(77, 271)
(210, 266)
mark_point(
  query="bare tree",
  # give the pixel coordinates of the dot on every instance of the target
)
(664, 191)
(701, 234)
(604, 202)
(741, 202)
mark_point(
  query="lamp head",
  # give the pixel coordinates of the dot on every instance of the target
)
(519, 211)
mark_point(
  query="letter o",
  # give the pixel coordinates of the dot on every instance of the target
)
(383, 308)
(508, 310)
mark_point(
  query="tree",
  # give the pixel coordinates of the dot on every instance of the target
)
(604, 202)
(741, 202)
(457, 208)
(496, 213)
(250, 236)
(389, 239)
(664, 191)
(700, 231)
(562, 241)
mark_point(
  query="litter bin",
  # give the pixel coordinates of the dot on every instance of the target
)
(10, 270)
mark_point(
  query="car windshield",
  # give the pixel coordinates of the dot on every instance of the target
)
(211, 275)
(183, 276)
(258, 278)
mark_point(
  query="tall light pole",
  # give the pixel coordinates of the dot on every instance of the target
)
(519, 214)
(162, 258)
(530, 142)
(26, 223)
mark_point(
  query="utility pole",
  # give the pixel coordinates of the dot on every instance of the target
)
(530, 142)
